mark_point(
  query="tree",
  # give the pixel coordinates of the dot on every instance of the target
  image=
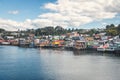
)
(91, 32)
(2, 30)
(49, 30)
(112, 26)
(59, 30)
(107, 26)
(112, 31)
(118, 29)
(37, 32)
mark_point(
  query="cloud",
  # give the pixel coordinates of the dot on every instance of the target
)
(14, 25)
(13, 12)
(69, 13)
(79, 12)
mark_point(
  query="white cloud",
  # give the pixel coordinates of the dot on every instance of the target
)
(104, 23)
(69, 13)
(13, 12)
(79, 12)
(13, 25)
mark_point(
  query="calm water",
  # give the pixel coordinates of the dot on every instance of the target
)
(44, 64)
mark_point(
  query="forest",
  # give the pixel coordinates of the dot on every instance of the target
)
(111, 30)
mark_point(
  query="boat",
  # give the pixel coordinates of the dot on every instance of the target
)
(102, 47)
(5, 43)
(111, 49)
(118, 48)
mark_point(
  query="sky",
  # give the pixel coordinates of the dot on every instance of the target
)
(82, 14)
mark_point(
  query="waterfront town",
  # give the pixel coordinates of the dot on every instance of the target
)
(59, 39)
(101, 40)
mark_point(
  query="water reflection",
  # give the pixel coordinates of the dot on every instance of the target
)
(83, 52)
(48, 64)
(78, 52)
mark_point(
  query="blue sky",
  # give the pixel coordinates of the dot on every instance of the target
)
(24, 14)
(27, 8)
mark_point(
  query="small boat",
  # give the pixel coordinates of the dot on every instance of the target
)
(117, 49)
(5, 43)
(111, 49)
(102, 47)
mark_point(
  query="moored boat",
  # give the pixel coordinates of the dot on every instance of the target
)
(5, 43)
(102, 47)
(111, 49)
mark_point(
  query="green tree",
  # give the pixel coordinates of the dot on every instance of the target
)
(112, 31)
(2, 30)
(118, 29)
(49, 30)
(92, 31)
(59, 30)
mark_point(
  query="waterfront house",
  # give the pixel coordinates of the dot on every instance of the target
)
(58, 43)
(79, 43)
(88, 38)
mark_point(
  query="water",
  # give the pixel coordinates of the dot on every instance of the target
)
(46, 64)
